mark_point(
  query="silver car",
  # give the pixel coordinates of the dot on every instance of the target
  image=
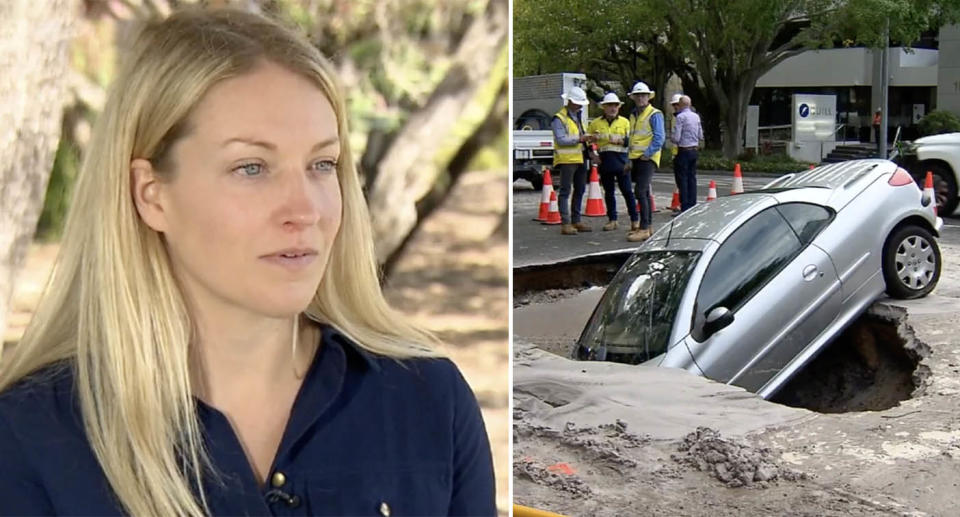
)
(747, 289)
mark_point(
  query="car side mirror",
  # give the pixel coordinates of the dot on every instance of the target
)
(717, 319)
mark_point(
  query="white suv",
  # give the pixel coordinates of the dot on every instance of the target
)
(939, 154)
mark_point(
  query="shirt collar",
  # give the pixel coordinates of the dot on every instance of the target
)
(329, 335)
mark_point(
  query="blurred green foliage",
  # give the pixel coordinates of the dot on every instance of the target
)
(59, 188)
(713, 160)
(937, 122)
(390, 56)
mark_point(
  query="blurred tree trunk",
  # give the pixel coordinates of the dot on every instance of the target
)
(431, 138)
(34, 39)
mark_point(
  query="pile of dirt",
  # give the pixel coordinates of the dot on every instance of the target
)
(601, 447)
(558, 476)
(732, 462)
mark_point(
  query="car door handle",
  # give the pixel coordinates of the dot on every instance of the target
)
(810, 272)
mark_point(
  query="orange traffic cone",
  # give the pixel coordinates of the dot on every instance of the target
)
(595, 207)
(553, 215)
(928, 190)
(653, 205)
(812, 166)
(675, 203)
(712, 191)
(737, 181)
(545, 197)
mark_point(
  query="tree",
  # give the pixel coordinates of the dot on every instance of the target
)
(718, 48)
(602, 39)
(423, 80)
(732, 44)
(34, 40)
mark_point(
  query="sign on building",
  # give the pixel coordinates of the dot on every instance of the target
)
(752, 136)
(918, 112)
(814, 117)
(813, 126)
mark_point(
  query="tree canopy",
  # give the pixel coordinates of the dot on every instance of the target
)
(718, 48)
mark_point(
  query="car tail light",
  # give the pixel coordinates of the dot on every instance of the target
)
(901, 178)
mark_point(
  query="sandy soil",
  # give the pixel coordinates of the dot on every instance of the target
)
(594, 439)
(452, 279)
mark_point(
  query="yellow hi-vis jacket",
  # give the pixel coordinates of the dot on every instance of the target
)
(604, 130)
(641, 134)
(567, 153)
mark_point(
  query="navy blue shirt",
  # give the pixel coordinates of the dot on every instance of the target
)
(367, 435)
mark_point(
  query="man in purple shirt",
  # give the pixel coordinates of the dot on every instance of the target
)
(687, 135)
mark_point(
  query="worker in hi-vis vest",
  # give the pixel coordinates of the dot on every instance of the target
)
(612, 132)
(646, 139)
(569, 153)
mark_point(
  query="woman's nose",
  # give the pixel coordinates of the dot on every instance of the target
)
(299, 207)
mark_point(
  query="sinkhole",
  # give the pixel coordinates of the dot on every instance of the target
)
(871, 366)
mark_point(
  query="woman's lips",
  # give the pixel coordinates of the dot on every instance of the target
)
(291, 261)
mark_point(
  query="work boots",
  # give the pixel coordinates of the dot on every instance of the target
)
(640, 235)
(634, 226)
(582, 227)
(612, 225)
(568, 229)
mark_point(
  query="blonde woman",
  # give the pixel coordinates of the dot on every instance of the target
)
(214, 339)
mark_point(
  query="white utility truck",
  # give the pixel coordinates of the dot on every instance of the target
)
(536, 99)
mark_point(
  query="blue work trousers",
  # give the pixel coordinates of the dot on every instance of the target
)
(572, 175)
(685, 171)
(612, 175)
(642, 172)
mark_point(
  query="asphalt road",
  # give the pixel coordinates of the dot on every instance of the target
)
(536, 243)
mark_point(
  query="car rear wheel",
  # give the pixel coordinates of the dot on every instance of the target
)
(911, 262)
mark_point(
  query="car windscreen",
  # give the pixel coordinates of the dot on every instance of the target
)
(633, 320)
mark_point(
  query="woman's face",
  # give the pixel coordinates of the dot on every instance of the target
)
(254, 204)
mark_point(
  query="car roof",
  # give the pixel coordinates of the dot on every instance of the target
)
(830, 185)
(709, 220)
(832, 176)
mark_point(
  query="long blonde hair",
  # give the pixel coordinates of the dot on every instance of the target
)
(113, 309)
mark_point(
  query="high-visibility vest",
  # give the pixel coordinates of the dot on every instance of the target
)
(641, 134)
(567, 153)
(604, 130)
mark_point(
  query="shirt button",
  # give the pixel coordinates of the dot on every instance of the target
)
(278, 479)
(384, 509)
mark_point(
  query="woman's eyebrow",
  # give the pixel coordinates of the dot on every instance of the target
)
(273, 147)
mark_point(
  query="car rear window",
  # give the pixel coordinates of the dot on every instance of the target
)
(807, 220)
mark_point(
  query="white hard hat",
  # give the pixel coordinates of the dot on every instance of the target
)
(575, 95)
(641, 87)
(611, 98)
(676, 98)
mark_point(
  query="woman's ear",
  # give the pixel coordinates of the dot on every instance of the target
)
(146, 190)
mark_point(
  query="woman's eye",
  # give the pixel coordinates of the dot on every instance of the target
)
(249, 169)
(324, 166)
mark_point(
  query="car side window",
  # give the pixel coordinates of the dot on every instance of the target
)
(745, 262)
(806, 219)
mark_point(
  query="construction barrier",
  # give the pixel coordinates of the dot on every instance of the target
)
(545, 196)
(595, 206)
(553, 214)
(737, 187)
(712, 191)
